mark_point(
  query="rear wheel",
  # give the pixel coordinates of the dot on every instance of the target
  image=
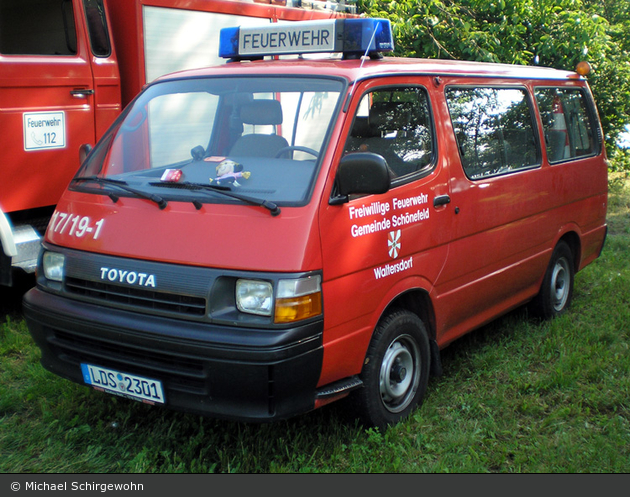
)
(396, 370)
(556, 291)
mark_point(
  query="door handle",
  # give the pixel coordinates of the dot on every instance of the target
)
(441, 200)
(81, 93)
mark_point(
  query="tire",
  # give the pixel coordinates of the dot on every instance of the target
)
(396, 371)
(556, 291)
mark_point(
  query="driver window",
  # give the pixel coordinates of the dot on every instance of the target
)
(395, 123)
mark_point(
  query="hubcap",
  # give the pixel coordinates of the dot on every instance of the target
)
(399, 374)
(560, 284)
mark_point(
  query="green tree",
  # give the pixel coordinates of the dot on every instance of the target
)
(554, 33)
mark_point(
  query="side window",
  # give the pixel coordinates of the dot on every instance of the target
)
(97, 27)
(395, 122)
(494, 130)
(567, 123)
(40, 27)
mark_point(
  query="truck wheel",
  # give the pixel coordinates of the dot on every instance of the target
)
(396, 370)
(556, 291)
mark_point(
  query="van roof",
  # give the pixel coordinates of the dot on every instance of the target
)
(354, 69)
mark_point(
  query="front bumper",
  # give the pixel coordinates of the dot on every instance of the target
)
(222, 371)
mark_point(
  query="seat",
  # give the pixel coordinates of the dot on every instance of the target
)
(557, 145)
(260, 113)
(381, 133)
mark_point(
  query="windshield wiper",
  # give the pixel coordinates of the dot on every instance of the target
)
(123, 186)
(226, 192)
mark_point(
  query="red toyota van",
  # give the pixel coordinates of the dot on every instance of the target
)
(255, 240)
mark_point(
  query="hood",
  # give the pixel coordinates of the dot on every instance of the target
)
(230, 236)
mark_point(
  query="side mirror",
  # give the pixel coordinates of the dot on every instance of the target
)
(84, 151)
(362, 173)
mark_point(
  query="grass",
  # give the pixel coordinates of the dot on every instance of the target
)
(516, 396)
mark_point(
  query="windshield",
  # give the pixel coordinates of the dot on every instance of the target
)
(256, 136)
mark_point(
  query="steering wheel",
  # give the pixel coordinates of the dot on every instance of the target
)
(292, 148)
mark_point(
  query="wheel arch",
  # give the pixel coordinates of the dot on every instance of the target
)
(572, 239)
(418, 302)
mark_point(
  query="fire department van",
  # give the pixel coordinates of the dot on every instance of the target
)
(255, 240)
(62, 84)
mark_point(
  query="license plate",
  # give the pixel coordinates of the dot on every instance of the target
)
(127, 385)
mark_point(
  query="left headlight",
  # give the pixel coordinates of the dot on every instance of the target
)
(53, 264)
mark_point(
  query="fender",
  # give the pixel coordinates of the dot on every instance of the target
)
(401, 295)
(573, 235)
(404, 286)
(410, 298)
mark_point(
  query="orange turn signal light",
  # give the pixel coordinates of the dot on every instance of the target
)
(289, 310)
(583, 68)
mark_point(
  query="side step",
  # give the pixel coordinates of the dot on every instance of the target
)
(336, 390)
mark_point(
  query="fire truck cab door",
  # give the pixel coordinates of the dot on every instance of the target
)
(46, 99)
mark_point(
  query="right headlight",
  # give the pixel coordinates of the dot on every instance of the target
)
(53, 264)
(254, 297)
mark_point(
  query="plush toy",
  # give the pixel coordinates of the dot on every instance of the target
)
(228, 172)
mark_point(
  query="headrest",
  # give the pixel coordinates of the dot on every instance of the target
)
(390, 115)
(262, 112)
(360, 128)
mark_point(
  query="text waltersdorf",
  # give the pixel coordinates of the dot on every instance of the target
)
(389, 269)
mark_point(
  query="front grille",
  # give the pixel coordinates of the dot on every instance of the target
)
(180, 373)
(139, 298)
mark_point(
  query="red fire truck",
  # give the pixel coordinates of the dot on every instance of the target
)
(260, 238)
(68, 67)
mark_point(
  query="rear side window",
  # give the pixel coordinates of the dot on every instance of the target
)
(568, 123)
(38, 27)
(494, 130)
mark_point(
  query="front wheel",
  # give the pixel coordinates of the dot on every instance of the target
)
(396, 370)
(556, 291)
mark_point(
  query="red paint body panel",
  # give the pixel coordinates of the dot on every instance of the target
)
(506, 229)
(221, 236)
(351, 259)
(37, 178)
(32, 83)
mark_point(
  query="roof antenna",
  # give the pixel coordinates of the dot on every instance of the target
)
(377, 29)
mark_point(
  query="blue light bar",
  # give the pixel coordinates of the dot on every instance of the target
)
(352, 37)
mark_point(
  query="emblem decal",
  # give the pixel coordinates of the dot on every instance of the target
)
(393, 243)
(128, 277)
